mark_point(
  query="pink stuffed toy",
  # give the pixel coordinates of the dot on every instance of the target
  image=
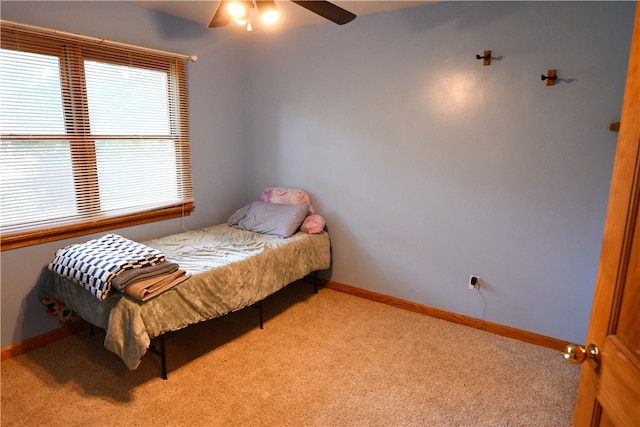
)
(314, 223)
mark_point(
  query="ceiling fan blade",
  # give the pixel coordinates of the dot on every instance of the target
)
(328, 10)
(221, 17)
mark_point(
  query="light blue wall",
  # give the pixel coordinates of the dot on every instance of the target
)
(430, 167)
(427, 166)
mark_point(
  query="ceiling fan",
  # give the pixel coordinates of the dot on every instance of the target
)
(239, 11)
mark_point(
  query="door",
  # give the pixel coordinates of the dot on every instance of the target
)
(609, 390)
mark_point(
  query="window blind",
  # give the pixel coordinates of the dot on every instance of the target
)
(93, 136)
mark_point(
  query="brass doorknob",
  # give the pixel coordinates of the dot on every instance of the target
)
(577, 354)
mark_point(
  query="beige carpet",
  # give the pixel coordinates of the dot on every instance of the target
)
(322, 360)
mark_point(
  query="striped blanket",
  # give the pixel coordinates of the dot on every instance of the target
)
(96, 263)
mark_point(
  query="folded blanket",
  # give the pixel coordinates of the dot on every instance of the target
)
(94, 264)
(147, 289)
(134, 275)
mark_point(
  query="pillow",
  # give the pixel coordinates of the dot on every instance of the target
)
(313, 224)
(269, 218)
(286, 196)
(238, 216)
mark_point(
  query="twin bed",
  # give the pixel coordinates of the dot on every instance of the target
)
(230, 268)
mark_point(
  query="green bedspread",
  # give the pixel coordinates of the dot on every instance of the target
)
(231, 269)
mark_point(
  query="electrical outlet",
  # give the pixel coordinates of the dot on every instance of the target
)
(474, 282)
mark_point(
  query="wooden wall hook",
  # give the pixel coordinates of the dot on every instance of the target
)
(550, 77)
(486, 57)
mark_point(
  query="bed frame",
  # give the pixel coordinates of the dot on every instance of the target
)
(162, 352)
(230, 269)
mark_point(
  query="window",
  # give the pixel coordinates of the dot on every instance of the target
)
(94, 136)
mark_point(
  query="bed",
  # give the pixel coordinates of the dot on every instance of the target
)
(230, 268)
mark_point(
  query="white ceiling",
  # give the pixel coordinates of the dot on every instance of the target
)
(291, 15)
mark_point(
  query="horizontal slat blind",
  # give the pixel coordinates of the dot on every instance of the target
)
(92, 136)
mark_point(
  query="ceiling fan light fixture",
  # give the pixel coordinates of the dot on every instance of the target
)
(268, 12)
(270, 16)
(237, 10)
(240, 11)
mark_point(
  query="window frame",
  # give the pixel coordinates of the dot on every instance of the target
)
(73, 50)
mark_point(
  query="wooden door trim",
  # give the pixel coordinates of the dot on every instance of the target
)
(618, 234)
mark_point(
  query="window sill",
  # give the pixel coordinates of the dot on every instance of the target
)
(43, 236)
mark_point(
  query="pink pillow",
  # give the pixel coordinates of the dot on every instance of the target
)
(286, 196)
(313, 224)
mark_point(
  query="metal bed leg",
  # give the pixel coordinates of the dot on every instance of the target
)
(315, 282)
(258, 305)
(163, 355)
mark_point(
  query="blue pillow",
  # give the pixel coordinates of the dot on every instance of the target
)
(238, 216)
(269, 218)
